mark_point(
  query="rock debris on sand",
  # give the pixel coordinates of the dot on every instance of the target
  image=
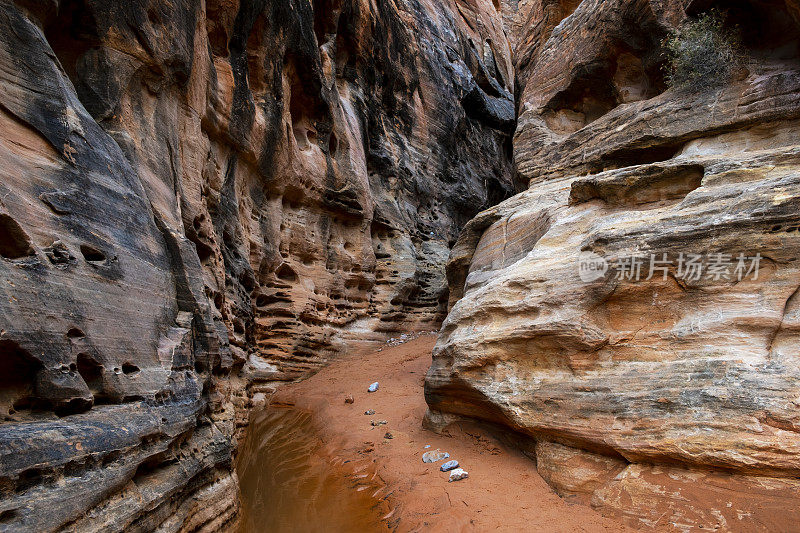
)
(373, 387)
(458, 474)
(449, 465)
(434, 456)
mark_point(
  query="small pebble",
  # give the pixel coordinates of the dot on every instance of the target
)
(457, 474)
(427, 446)
(388, 436)
(369, 412)
(377, 423)
(449, 465)
(349, 399)
(373, 387)
(434, 455)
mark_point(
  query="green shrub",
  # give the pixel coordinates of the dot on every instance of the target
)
(703, 53)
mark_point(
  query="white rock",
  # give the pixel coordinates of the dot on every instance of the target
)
(458, 473)
(434, 456)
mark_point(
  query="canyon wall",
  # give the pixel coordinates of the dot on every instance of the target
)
(200, 199)
(665, 398)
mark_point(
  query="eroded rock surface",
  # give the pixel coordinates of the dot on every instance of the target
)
(199, 199)
(670, 402)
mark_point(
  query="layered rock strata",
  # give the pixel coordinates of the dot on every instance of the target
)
(199, 199)
(670, 400)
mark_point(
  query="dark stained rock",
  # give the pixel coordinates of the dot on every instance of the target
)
(200, 200)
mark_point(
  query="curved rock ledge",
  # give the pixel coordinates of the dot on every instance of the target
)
(669, 401)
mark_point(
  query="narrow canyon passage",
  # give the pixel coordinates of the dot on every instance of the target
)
(214, 213)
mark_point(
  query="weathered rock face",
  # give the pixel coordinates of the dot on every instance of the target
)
(670, 401)
(199, 199)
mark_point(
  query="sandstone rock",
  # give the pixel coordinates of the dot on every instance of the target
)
(458, 474)
(200, 200)
(434, 456)
(449, 465)
(614, 377)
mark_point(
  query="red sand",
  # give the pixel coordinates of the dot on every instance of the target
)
(503, 493)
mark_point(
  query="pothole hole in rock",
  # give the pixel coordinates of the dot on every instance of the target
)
(625, 72)
(248, 280)
(75, 333)
(151, 465)
(333, 145)
(780, 229)
(263, 300)
(204, 251)
(326, 19)
(215, 27)
(71, 34)
(17, 377)
(92, 373)
(31, 477)
(73, 406)
(129, 368)
(286, 273)
(768, 31)
(8, 515)
(153, 16)
(636, 156)
(196, 234)
(92, 254)
(306, 108)
(14, 242)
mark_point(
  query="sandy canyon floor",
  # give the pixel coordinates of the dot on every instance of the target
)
(326, 449)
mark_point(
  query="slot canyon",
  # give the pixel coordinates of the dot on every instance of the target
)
(221, 221)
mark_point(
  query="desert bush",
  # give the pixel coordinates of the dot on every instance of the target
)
(703, 53)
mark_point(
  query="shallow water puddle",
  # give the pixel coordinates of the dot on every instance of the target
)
(289, 482)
